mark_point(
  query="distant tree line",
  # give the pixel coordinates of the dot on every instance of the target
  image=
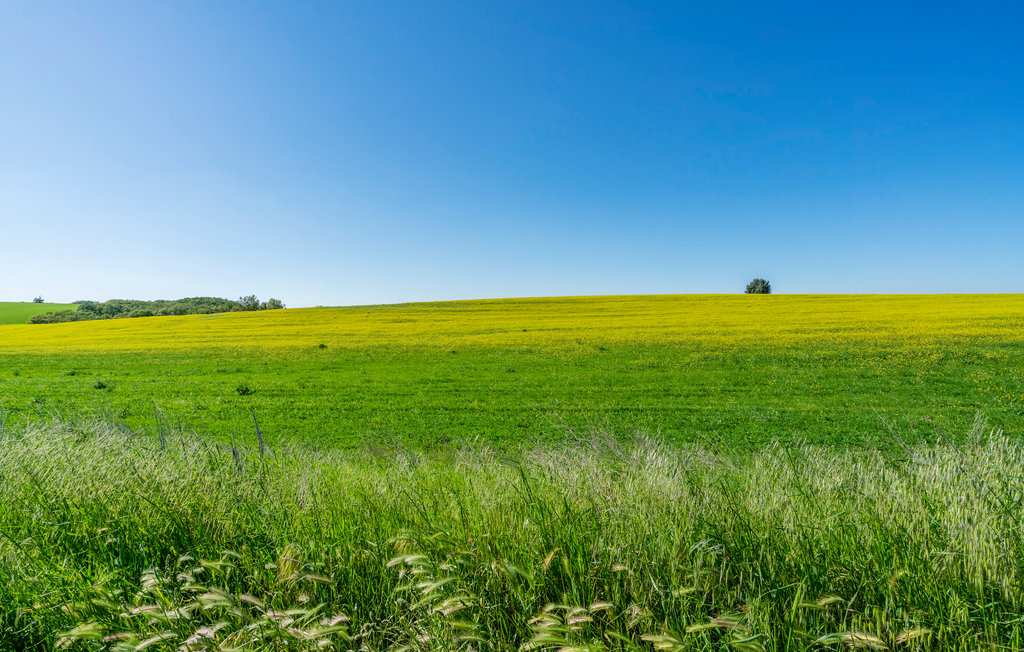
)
(127, 308)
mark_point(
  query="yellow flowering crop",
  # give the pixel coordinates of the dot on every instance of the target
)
(543, 323)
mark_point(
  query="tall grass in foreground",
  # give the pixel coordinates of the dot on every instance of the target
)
(110, 540)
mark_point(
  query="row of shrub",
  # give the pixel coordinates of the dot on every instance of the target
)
(126, 308)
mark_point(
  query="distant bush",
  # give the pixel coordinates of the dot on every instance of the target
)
(759, 286)
(247, 303)
(37, 300)
(59, 317)
(251, 303)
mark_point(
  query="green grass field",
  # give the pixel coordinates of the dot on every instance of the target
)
(19, 312)
(748, 370)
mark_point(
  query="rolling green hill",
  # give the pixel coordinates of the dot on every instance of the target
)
(19, 312)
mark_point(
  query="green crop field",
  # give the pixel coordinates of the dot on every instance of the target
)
(19, 312)
(585, 473)
(747, 370)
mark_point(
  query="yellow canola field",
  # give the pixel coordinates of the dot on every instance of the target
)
(556, 323)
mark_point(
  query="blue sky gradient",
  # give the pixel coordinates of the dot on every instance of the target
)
(373, 152)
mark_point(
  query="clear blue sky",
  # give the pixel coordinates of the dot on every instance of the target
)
(367, 152)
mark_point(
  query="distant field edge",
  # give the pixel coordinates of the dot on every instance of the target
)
(19, 312)
(665, 296)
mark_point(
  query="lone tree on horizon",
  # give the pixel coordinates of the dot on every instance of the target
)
(759, 286)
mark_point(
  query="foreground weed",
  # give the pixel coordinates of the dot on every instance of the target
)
(194, 609)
